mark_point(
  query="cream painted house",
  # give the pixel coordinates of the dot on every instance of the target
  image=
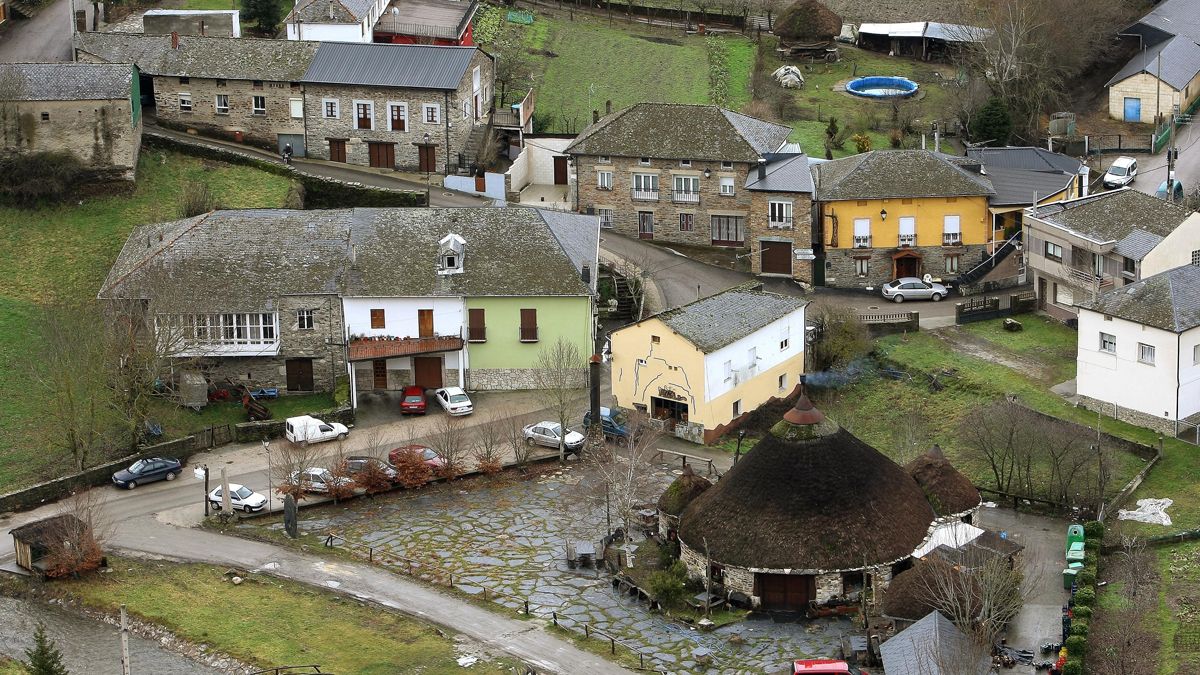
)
(1163, 77)
(701, 368)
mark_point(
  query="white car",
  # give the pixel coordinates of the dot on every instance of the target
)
(1121, 173)
(454, 401)
(549, 434)
(315, 479)
(306, 429)
(240, 497)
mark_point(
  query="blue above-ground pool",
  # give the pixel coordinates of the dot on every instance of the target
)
(882, 87)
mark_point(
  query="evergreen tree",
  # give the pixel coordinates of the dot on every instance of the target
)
(992, 123)
(264, 13)
(44, 657)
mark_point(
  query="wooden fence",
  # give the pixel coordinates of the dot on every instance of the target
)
(891, 322)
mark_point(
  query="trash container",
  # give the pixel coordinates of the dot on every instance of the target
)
(1069, 578)
(1074, 534)
(1075, 552)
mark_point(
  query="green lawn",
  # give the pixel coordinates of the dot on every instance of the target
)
(270, 622)
(177, 422)
(10, 667)
(65, 252)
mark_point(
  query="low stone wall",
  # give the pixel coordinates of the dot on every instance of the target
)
(503, 379)
(248, 432)
(1135, 417)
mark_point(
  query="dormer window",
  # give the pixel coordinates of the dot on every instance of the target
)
(449, 261)
(451, 250)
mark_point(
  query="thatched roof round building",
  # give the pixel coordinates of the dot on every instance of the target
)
(809, 496)
(948, 490)
(808, 21)
(682, 491)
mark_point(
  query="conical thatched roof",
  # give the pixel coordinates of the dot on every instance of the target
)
(809, 497)
(947, 490)
(808, 21)
(682, 491)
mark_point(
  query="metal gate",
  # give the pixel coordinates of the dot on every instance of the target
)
(297, 141)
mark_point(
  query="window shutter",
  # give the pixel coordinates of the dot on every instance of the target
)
(907, 226)
(377, 319)
(862, 227)
(953, 225)
(476, 328)
(529, 332)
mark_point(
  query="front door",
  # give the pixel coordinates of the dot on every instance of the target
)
(908, 266)
(645, 224)
(560, 170)
(299, 374)
(427, 371)
(425, 322)
(777, 257)
(786, 591)
(427, 158)
(1133, 110)
(1041, 293)
(381, 155)
(337, 151)
(379, 371)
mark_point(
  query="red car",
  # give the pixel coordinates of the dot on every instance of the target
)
(413, 401)
(431, 458)
(822, 666)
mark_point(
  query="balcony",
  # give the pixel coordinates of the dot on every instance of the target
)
(685, 197)
(862, 242)
(386, 346)
(643, 195)
(951, 239)
(528, 333)
(907, 240)
(780, 222)
(1087, 278)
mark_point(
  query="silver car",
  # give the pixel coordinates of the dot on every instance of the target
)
(549, 433)
(912, 288)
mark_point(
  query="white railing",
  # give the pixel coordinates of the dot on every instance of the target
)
(644, 195)
(780, 222)
(908, 240)
(686, 197)
(862, 242)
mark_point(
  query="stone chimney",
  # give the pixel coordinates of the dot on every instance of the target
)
(762, 168)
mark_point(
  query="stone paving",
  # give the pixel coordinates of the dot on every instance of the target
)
(503, 538)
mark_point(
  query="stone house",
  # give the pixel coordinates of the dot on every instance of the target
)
(1163, 77)
(92, 111)
(779, 230)
(673, 172)
(899, 213)
(411, 107)
(333, 20)
(1080, 248)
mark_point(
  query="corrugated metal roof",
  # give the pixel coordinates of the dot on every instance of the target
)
(388, 65)
(1175, 62)
(1014, 157)
(1020, 186)
(65, 81)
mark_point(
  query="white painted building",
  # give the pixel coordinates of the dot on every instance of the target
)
(1139, 351)
(431, 332)
(334, 20)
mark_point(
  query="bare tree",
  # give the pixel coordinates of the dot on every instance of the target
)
(75, 538)
(513, 438)
(488, 450)
(560, 372)
(449, 440)
(288, 466)
(372, 476)
(839, 337)
(625, 470)
(980, 601)
(342, 486)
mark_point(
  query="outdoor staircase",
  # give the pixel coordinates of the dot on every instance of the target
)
(474, 146)
(624, 299)
(976, 273)
(27, 8)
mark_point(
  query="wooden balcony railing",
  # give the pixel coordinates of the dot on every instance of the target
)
(386, 347)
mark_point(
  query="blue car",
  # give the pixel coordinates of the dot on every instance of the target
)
(1173, 194)
(147, 471)
(614, 422)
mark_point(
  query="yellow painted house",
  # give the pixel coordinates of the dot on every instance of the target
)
(701, 368)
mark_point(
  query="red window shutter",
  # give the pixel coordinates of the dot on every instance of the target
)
(476, 328)
(529, 330)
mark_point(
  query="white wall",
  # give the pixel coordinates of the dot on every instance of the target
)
(400, 315)
(1119, 377)
(536, 162)
(1175, 250)
(766, 342)
(328, 32)
(493, 186)
(1189, 374)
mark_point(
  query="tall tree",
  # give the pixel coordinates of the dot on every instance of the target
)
(992, 124)
(560, 371)
(44, 657)
(266, 14)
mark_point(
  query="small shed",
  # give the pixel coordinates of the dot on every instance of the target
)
(675, 499)
(933, 646)
(808, 28)
(34, 541)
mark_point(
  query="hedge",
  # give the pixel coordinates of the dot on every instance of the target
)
(1085, 596)
(1073, 666)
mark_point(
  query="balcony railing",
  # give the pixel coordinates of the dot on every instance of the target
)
(386, 346)
(685, 197)
(780, 222)
(951, 239)
(643, 195)
(907, 240)
(862, 242)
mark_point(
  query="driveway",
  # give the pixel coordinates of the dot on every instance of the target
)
(44, 38)
(1152, 169)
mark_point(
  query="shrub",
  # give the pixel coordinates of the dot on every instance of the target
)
(1079, 627)
(1091, 544)
(862, 142)
(1076, 646)
(34, 178)
(1085, 597)
(1082, 612)
(896, 138)
(1086, 577)
(1073, 667)
(373, 478)
(196, 199)
(668, 554)
(667, 586)
(1093, 529)
(411, 470)
(1091, 558)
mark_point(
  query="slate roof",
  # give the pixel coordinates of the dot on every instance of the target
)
(317, 11)
(1111, 216)
(1137, 244)
(790, 173)
(1175, 61)
(897, 173)
(65, 81)
(212, 57)
(1169, 300)
(1035, 159)
(932, 646)
(1018, 186)
(725, 318)
(579, 239)
(680, 131)
(390, 65)
(240, 258)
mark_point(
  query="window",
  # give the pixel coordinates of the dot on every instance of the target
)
(728, 369)
(908, 231)
(728, 230)
(466, 108)
(604, 180)
(644, 161)
(862, 266)
(1129, 265)
(1108, 343)
(1145, 353)
(737, 408)
(330, 108)
(185, 102)
(685, 163)
(304, 319)
(951, 231)
(1054, 251)
(783, 382)
(529, 328)
(951, 264)
(1063, 295)
(687, 189)
(256, 84)
(258, 105)
(377, 319)
(222, 104)
(45, 117)
(606, 217)
(221, 330)
(364, 115)
(476, 326)
(1196, 257)
(727, 186)
(645, 186)
(1196, 355)
(752, 359)
(220, 83)
(398, 116)
(185, 80)
(687, 222)
(604, 159)
(431, 113)
(654, 339)
(862, 233)
(726, 165)
(296, 106)
(780, 213)
(785, 337)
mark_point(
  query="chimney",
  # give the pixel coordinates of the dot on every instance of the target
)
(608, 107)
(331, 8)
(762, 168)
(595, 116)
(174, 40)
(586, 274)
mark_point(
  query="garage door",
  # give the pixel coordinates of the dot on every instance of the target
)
(786, 591)
(777, 257)
(427, 371)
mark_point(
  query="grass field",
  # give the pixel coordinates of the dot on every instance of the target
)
(10, 667)
(64, 253)
(275, 622)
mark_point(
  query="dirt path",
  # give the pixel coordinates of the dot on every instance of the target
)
(967, 343)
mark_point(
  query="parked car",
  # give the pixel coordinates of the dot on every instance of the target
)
(412, 402)
(315, 479)
(614, 423)
(454, 400)
(240, 497)
(1121, 173)
(549, 434)
(307, 429)
(147, 471)
(825, 667)
(431, 458)
(912, 288)
(1174, 194)
(358, 464)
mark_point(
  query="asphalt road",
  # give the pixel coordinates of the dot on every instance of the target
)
(1152, 169)
(44, 38)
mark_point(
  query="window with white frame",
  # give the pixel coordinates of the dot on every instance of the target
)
(296, 107)
(397, 116)
(258, 105)
(687, 189)
(862, 233)
(727, 230)
(1145, 353)
(726, 165)
(330, 108)
(785, 337)
(727, 186)
(185, 102)
(219, 330)
(862, 267)
(606, 217)
(304, 319)
(364, 115)
(737, 408)
(908, 231)
(1196, 355)
(431, 113)
(645, 186)
(783, 382)
(752, 359)
(644, 161)
(951, 230)
(1054, 251)
(952, 264)
(1108, 343)
(604, 159)
(221, 103)
(728, 368)
(780, 213)
(604, 180)
(685, 163)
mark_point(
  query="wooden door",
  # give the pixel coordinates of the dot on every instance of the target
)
(1041, 293)
(908, 267)
(777, 257)
(381, 155)
(560, 170)
(379, 371)
(299, 374)
(645, 225)
(786, 591)
(427, 158)
(427, 371)
(337, 151)
(425, 322)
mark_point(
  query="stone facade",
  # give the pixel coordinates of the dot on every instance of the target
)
(759, 229)
(666, 208)
(262, 129)
(501, 379)
(101, 133)
(451, 129)
(1135, 417)
(842, 264)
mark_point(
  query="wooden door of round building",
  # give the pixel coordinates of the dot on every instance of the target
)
(786, 591)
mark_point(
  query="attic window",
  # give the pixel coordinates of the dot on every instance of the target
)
(220, 82)
(450, 261)
(451, 251)
(644, 161)
(45, 117)
(726, 165)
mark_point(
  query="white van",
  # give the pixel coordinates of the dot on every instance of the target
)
(307, 429)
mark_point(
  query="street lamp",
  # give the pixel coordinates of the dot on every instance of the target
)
(738, 455)
(202, 472)
(883, 214)
(267, 448)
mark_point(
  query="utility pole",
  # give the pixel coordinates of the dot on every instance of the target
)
(1172, 156)
(125, 670)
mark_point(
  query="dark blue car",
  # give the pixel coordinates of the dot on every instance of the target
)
(147, 471)
(613, 422)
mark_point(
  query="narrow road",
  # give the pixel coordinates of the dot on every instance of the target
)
(44, 38)
(679, 279)
(1152, 169)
